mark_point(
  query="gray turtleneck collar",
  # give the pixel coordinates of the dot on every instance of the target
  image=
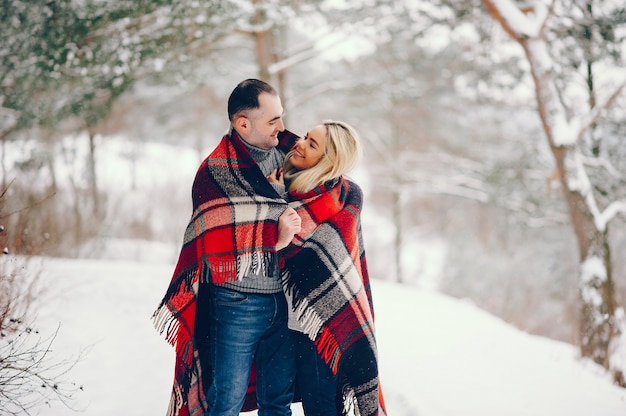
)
(268, 160)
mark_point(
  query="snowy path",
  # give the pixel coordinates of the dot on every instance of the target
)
(439, 356)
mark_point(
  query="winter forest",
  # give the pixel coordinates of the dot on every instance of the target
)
(494, 134)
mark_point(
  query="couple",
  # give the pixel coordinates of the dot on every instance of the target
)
(271, 288)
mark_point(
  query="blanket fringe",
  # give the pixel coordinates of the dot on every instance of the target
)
(328, 349)
(249, 264)
(176, 402)
(350, 407)
(165, 321)
(310, 321)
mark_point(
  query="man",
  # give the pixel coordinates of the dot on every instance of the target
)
(224, 309)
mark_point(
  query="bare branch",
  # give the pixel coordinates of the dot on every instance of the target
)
(29, 376)
(2, 216)
(4, 191)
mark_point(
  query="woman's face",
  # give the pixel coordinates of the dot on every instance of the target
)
(309, 149)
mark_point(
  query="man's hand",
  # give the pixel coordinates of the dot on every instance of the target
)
(288, 226)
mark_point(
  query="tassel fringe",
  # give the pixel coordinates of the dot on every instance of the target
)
(350, 407)
(328, 349)
(250, 264)
(309, 320)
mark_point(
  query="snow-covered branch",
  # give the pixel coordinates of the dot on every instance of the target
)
(611, 212)
(602, 163)
(249, 28)
(304, 55)
(150, 22)
(319, 89)
(583, 185)
(292, 60)
(519, 23)
(597, 111)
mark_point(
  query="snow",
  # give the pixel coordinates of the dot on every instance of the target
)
(438, 356)
(528, 25)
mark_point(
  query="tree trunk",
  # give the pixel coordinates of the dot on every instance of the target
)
(600, 326)
(597, 293)
(397, 221)
(93, 183)
(261, 43)
(3, 162)
(48, 138)
(598, 321)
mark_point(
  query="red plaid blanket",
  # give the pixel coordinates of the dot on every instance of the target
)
(325, 271)
(233, 231)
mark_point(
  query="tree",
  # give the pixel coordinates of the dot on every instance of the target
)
(66, 60)
(30, 374)
(602, 325)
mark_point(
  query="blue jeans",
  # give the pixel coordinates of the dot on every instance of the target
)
(316, 381)
(247, 326)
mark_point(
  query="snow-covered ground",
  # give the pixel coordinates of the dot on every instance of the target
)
(438, 356)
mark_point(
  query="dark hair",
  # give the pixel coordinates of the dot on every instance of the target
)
(245, 96)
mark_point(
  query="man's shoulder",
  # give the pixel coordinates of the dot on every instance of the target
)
(220, 150)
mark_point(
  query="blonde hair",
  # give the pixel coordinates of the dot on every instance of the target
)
(342, 154)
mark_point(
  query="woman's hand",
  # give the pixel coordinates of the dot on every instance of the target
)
(276, 177)
(288, 225)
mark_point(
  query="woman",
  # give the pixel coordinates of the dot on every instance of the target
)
(325, 276)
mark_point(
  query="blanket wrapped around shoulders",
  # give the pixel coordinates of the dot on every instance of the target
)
(325, 271)
(232, 232)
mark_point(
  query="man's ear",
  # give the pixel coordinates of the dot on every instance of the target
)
(242, 124)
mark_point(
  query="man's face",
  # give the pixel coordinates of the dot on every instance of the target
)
(264, 123)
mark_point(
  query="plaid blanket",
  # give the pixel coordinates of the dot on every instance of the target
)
(232, 232)
(325, 271)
